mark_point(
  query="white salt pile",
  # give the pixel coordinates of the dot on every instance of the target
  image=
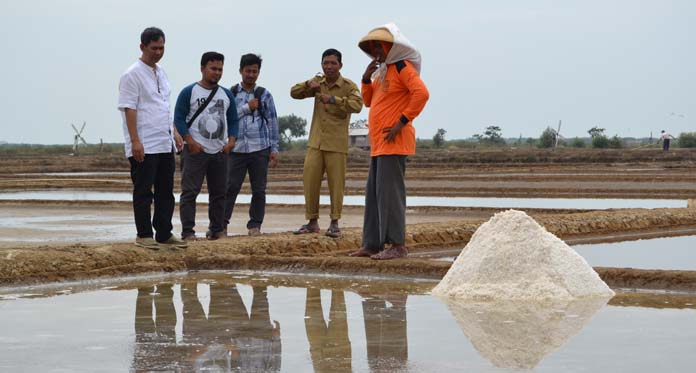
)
(512, 257)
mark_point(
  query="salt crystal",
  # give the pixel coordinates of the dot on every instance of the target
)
(511, 256)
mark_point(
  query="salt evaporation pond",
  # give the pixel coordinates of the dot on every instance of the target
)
(667, 253)
(494, 202)
(293, 323)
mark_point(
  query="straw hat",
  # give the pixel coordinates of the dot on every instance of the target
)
(379, 34)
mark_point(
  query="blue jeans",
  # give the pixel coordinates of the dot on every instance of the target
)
(256, 164)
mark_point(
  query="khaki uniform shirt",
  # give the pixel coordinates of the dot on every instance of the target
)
(329, 130)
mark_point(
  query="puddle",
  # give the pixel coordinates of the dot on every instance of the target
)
(103, 173)
(292, 323)
(669, 253)
(545, 203)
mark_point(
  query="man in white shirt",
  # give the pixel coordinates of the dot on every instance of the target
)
(149, 141)
(666, 139)
(206, 117)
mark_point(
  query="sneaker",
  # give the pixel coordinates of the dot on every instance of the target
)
(210, 236)
(255, 231)
(147, 242)
(174, 241)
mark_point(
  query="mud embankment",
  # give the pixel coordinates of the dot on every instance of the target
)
(317, 253)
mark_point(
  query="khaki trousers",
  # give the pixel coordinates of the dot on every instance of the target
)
(315, 164)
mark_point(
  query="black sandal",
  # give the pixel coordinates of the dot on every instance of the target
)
(333, 232)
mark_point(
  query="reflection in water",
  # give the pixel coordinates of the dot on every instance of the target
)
(228, 339)
(385, 330)
(519, 335)
(329, 345)
(154, 338)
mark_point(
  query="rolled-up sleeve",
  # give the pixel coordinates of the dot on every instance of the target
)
(128, 92)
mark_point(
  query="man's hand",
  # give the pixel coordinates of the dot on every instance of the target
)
(178, 142)
(230, 145)
(325, 99)
(371, 68)
(274, 160)
(253, 104)
(227, 148)
(193, 146)
(138, 151)
(393, 131)
(313, 84)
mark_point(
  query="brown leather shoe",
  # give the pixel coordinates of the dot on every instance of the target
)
(363, 252)
(394, 252)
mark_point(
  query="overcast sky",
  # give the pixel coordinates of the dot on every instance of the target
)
(627, 65)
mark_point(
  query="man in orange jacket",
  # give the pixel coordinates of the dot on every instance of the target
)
(395, 94)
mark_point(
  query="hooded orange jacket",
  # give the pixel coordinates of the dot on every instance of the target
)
(401, 95)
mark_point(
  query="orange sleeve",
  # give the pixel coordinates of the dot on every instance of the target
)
(366, 92)
(418, 91)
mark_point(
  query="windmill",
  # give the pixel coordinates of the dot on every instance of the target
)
(557, 135)
(78, 137)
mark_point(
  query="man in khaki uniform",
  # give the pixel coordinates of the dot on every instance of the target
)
(335, 98)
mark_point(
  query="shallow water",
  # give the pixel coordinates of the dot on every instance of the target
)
(300, 323)
(673, 253)
(546, 203)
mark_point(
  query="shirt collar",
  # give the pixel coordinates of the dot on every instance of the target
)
(241, 87)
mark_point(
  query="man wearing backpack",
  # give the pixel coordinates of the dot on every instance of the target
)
(257, 143)
(206, 118)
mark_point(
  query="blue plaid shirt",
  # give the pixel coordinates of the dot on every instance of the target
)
(256, 132)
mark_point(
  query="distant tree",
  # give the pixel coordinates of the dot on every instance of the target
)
(596, 131)
(547, 138)
(599, 139)
(492, 135)
(687, 140)
(616, 142)
(577, 143)
(439, 138)
(290, 126)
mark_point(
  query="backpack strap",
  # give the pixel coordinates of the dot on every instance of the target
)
(235, 90)
(258, 93)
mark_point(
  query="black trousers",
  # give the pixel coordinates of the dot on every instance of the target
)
(156, 171)
(385, 202)
(256, 164)
(196, 167)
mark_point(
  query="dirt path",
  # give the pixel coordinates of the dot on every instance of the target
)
(317, 253)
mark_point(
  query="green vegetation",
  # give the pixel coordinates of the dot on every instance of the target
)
(439, 138)
(290, 126)
(687, 140)
(547, 138)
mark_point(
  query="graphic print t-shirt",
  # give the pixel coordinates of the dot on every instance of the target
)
(213, 126)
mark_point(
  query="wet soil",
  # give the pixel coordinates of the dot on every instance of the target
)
(320, 254)
(506, 172)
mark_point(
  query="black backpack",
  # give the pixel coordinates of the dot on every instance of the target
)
(258, 93)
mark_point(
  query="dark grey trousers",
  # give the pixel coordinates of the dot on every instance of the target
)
(385, 202)
(256, 164)
(196, 167)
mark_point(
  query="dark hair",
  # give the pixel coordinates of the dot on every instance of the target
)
(250, 59)
(211, 56)
(332, 52)
(151, 34)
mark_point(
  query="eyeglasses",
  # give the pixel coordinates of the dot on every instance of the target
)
(157, 77)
